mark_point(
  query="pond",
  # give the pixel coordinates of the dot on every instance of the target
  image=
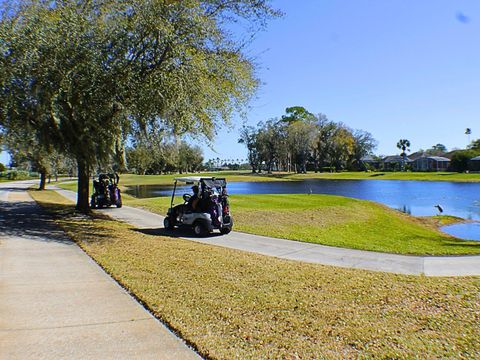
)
(417, 198)
(469, 231)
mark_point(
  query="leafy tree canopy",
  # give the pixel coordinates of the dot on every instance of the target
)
(404, 145)
(297, 113)
(80, 73)
(475, 145)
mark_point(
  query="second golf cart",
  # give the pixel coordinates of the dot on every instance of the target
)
(207, 209)
(106, 192)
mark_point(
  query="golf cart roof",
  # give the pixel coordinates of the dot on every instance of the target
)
(209, 181)
(190, 179)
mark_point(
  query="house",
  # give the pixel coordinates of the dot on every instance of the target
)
(431, 163)
(474, 164)
(418, 154)
(370, 162)
(394, 162)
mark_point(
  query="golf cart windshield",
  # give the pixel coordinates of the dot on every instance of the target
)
(209, 182)
(215, 183)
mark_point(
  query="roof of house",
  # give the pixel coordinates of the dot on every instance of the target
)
(395, 159)
(436, 158)
(368, 158)
(416, 155)
(476, 158)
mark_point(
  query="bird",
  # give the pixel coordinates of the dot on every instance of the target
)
(440, 209)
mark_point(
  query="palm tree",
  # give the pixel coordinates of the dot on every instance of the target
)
(468, 132)
(404, 145)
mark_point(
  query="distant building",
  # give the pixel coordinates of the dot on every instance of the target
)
(394, 162)
(474, 164)
(370, 162)
(431, 163)
(414, 156)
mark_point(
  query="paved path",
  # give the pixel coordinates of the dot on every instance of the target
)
(313, 253)
(57, 303)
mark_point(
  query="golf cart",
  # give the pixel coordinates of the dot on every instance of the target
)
(106, 192)
(206, 210)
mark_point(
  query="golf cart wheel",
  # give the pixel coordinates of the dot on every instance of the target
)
(119, 203)
(225, 230)
(200, 229)
(93, 203)
(168, 223)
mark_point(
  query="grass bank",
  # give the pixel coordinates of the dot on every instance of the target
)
(235, 305)
(335, 221)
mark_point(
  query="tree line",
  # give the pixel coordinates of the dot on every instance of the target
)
(300, 140)
(162, 154)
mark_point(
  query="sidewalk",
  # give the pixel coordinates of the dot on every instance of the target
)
(57, 303)
(313, 253)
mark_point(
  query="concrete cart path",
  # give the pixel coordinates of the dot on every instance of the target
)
(313, 253)
(57, 303)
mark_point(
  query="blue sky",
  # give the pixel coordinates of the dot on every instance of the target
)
(396, 68)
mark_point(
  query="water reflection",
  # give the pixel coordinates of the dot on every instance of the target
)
(405, 209)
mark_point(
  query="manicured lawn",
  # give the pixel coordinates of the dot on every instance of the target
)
(335, 221)
(235, 305)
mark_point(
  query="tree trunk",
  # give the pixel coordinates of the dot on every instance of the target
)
(43, 180)
(83, 187)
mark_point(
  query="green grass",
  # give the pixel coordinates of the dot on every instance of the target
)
(442, 220)
(335, 221)
(236, 305)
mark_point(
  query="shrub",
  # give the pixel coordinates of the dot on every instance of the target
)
(460, 159)
(18, 175)
(2, 168)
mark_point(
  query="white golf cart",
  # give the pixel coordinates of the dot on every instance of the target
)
(210, 210)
